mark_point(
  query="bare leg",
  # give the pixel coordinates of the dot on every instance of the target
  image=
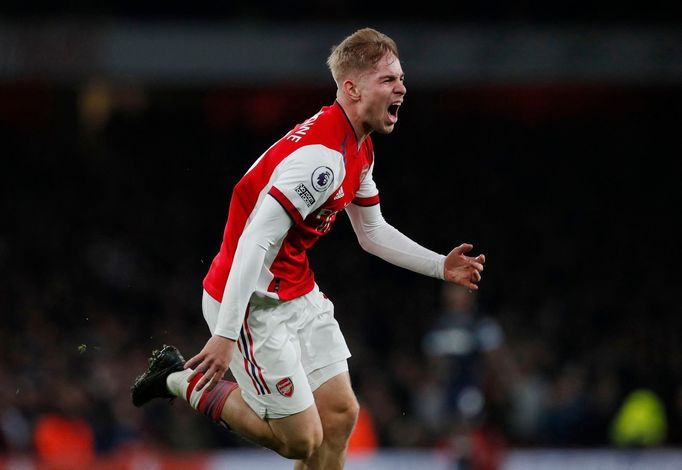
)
(338, 409)
(294, 437)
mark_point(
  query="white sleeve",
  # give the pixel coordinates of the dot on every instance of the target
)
(381, 239)
(367, 194)
(306, 179)
(269, 225)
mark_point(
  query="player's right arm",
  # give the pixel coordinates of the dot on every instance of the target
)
(292, 197)
(269, 226)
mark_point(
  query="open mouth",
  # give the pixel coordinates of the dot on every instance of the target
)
(393, 111)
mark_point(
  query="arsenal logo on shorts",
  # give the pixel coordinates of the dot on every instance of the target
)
(285, 387)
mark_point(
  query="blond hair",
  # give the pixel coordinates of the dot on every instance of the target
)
(359, 52)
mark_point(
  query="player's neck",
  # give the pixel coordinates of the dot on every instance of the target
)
(353, 115)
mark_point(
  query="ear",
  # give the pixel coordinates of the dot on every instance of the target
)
(351, 89)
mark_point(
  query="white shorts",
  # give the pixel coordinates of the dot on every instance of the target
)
(285, 351)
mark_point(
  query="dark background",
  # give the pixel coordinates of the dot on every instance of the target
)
(570, 188)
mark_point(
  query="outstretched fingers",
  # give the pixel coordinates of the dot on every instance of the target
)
(211, 371)
(477, 263)
(478, 266)
(196, 364)
(212, 362)
(463, 248)
(473, 278)
(211, 377)
(191, 363)
(476, 269)
(463, 269)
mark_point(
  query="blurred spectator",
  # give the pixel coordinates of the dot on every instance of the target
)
(567, 406)
(85, 241)
(64, 440)
(641, 421)
(468, 363)
(529, 393)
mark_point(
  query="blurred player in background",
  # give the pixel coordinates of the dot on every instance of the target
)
(468, 356)
(270, 323)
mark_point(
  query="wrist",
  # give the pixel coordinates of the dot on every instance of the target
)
(441, 267)
(225, 337)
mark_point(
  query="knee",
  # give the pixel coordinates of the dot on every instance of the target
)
(339, 420)
(302, 446)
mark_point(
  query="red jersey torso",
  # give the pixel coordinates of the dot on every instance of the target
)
(314, 172)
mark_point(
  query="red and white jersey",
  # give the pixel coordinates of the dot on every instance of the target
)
(314, 172)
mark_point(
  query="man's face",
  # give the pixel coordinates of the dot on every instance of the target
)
(381, 94)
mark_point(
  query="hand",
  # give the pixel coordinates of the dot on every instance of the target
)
(212, 361)
(462, 269)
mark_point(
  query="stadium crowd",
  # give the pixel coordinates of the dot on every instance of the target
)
(114, 199)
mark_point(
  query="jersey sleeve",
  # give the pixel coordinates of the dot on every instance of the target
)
(368, 194)
(378, 237)
(306, 179)
(267, 227)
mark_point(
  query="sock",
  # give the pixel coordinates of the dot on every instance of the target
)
(205, 402)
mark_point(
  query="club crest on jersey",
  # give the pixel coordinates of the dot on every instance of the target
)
(285, 387)
(322, 178)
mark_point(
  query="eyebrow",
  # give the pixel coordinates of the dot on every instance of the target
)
(381, 77)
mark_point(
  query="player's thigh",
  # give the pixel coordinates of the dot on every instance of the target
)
(321, 340)
(337, 404)
(267, 362)
(303, 427)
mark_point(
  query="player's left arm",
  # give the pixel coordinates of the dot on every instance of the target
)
(378, 237)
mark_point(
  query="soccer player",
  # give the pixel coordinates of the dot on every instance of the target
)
(270, 322)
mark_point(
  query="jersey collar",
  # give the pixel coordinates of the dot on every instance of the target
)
(350, 125)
